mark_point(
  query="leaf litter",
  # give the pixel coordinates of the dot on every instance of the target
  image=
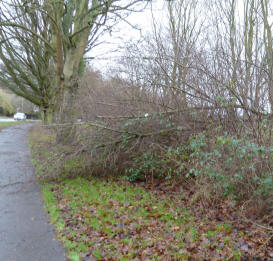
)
(107, 220)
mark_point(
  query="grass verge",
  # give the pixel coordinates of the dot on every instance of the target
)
(4, 125)
(113, 220)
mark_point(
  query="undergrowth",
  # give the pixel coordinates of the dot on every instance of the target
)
(51, 160)
(233, 167)
(106, 219)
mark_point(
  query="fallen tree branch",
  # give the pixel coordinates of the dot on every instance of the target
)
(181, 110)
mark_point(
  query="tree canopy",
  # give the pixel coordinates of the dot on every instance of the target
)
(43, 43)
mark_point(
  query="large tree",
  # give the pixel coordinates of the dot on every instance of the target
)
(48, 35)
(27, 66)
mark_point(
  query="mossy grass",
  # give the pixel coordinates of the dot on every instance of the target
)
(4, 125)
(84, 211)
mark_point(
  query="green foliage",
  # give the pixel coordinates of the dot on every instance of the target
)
(148, 163)
(234, 166)
(165, 164)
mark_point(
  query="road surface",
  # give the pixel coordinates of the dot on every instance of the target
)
(25, 234)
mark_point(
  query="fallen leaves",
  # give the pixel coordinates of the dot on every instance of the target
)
(113, 221)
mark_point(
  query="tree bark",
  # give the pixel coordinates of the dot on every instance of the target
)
(47, 115)
(67, 117)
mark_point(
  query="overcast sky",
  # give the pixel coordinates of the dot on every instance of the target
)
(106, 54)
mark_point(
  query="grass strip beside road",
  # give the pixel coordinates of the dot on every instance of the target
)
(107, 220)
(4, 125)
(100, 219)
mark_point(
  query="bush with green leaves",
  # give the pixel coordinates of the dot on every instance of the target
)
(233, 166)
(163, 163)
(227, 166)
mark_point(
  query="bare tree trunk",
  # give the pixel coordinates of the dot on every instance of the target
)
(269, 50)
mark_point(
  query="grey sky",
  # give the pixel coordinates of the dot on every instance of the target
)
(107, 53)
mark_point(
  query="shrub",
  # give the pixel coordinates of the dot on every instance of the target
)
(161, 163)
(128, 130)
(226, 166)
(234, 167)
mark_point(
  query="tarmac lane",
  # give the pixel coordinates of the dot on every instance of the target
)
(25, 234)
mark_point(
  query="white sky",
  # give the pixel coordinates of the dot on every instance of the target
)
(106, 54)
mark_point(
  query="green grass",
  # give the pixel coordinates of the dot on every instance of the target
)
(129, 218)
(4, 125)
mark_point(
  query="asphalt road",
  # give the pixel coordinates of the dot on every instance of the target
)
(25, 234)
